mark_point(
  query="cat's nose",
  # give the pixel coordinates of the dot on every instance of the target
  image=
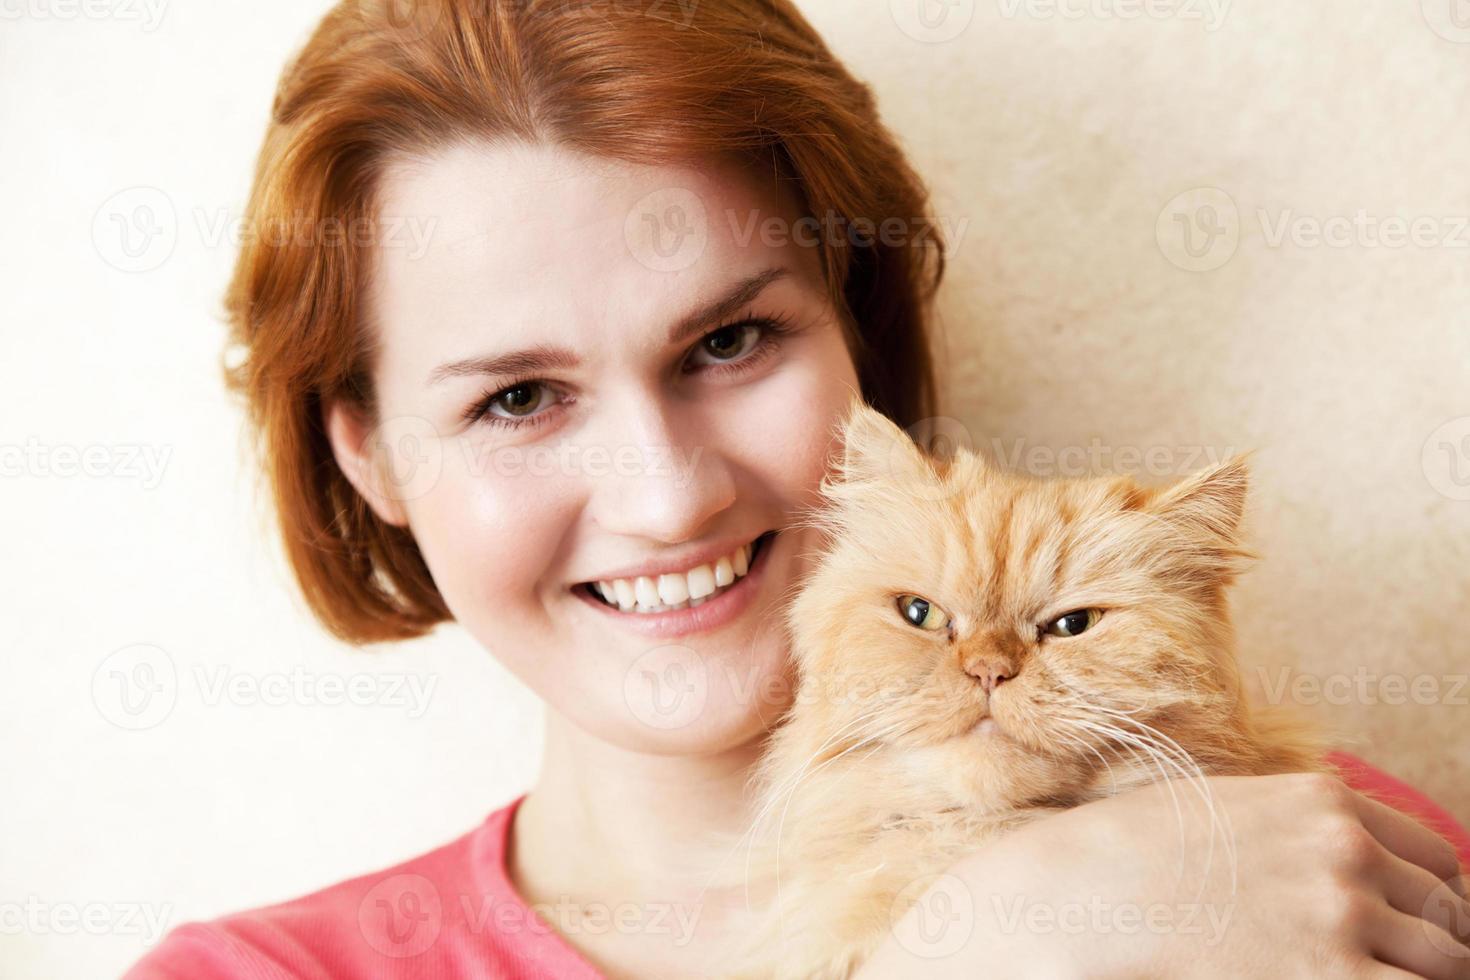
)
(990, 669)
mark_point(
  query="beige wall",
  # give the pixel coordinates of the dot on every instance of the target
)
(1076, 316)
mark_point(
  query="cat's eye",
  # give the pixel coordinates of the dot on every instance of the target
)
(1072, 623)
(922, 613)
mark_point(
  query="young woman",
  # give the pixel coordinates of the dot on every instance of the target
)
(589, 286)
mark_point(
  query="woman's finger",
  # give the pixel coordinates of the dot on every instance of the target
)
(1415, 891)
(1421, 947)
(1407, 837)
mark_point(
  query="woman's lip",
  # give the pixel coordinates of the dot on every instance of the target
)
(703, 618)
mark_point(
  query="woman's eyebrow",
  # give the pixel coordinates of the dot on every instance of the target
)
(542, 357)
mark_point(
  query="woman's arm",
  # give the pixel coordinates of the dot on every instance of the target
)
(1324, 882)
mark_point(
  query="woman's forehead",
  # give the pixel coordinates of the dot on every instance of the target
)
(501, 242)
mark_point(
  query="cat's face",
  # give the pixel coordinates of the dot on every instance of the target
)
(1016, 626)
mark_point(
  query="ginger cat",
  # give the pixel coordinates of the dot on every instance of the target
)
(973, 649)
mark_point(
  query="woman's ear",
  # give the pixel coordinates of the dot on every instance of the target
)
(362, 453)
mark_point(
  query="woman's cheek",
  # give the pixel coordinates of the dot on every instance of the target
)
(488, 529)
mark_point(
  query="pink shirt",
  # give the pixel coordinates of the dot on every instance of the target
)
(453, 913)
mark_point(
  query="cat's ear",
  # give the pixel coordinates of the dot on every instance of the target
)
(874, 448)
(1211, 503)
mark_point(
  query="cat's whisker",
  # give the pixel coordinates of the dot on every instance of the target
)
(1195, 779)
(1216, 812)
(788, 783)
(1168, 741)
(784, 790)
(781, 825)
(771, 796)
(1133, 746)
(1079, 743)
(1219, 819)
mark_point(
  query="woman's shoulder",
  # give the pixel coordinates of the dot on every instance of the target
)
(450, 912)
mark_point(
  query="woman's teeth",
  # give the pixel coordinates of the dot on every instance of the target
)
(675, 591)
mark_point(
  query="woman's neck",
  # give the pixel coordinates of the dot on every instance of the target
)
(603, 820)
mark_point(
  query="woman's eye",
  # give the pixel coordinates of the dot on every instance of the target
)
(516, 405)
(922, 613)
(732, 342)
(1072, 623)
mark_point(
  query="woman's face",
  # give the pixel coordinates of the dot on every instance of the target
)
(593, 370)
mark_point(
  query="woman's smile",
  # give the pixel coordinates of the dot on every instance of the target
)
(646, 614)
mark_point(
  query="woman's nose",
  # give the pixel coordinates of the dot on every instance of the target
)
(667, 481)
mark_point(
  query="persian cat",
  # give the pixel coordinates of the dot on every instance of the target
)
(973, 649)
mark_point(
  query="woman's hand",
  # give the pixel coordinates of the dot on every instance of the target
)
(1327, 883)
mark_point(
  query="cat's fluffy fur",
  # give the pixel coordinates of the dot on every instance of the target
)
(876, 778)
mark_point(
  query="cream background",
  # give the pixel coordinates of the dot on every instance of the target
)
(1055, 143)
